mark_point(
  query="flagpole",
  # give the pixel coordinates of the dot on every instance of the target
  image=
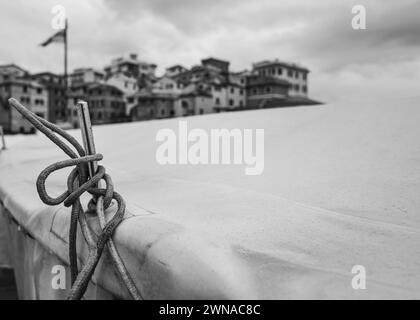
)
(65, 67)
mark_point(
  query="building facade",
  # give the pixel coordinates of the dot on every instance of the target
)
(192, 103)
(12, 70)
(228, 96)
(167, 84)
(296, 75)
(131, 67)
(126, 84)
(106, 103)
(30, 93)
(218, 65)
(175, 70)
(147, 105)
(266, 91)
(55, 86)
(129, 89)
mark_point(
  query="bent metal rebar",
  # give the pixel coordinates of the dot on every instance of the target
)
(80, 181)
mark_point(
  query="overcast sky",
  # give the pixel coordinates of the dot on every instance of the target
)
(383, 59)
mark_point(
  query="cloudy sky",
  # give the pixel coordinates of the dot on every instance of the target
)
(382, 60)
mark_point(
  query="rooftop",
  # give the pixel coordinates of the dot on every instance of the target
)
(82, 70)
(211, 59)
(12, 65)
(177, 66)
(277, 62)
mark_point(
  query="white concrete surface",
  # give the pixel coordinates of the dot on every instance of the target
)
(340, 188)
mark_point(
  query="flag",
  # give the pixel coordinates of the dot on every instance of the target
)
(57, 37)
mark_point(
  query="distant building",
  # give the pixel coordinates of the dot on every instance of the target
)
(30, 93)
(106, 103)
(216, 64)
(55, 87)
(167, 84)
(147, 105)
(129, 89)
(293, 73)
(228, 96)
(226, 90)
(239, 78)
(126, 84)
(196, 102)
(175, 70)
(85, 75)
(131, 67)
(266, 91)
(12, 70)
(209, 69)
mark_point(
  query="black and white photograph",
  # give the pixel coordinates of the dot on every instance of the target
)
(209, 155)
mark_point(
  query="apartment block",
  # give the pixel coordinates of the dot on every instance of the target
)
(266, 91)
(30, 93)
(106, 103)
(293, 73)
(85, 75)
(56, 90)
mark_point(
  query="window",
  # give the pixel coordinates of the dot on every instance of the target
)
(162, 112)
(296, 74)
(254, 91)
(297, 87)
(217, 101)
(39, 90)
(232, 90)
(25, 89)
(231, 102)
(241, 91)
(201, 111)
(304, 76)
(290, 73)
(268, 89)
(279, 71)
(304, 88)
